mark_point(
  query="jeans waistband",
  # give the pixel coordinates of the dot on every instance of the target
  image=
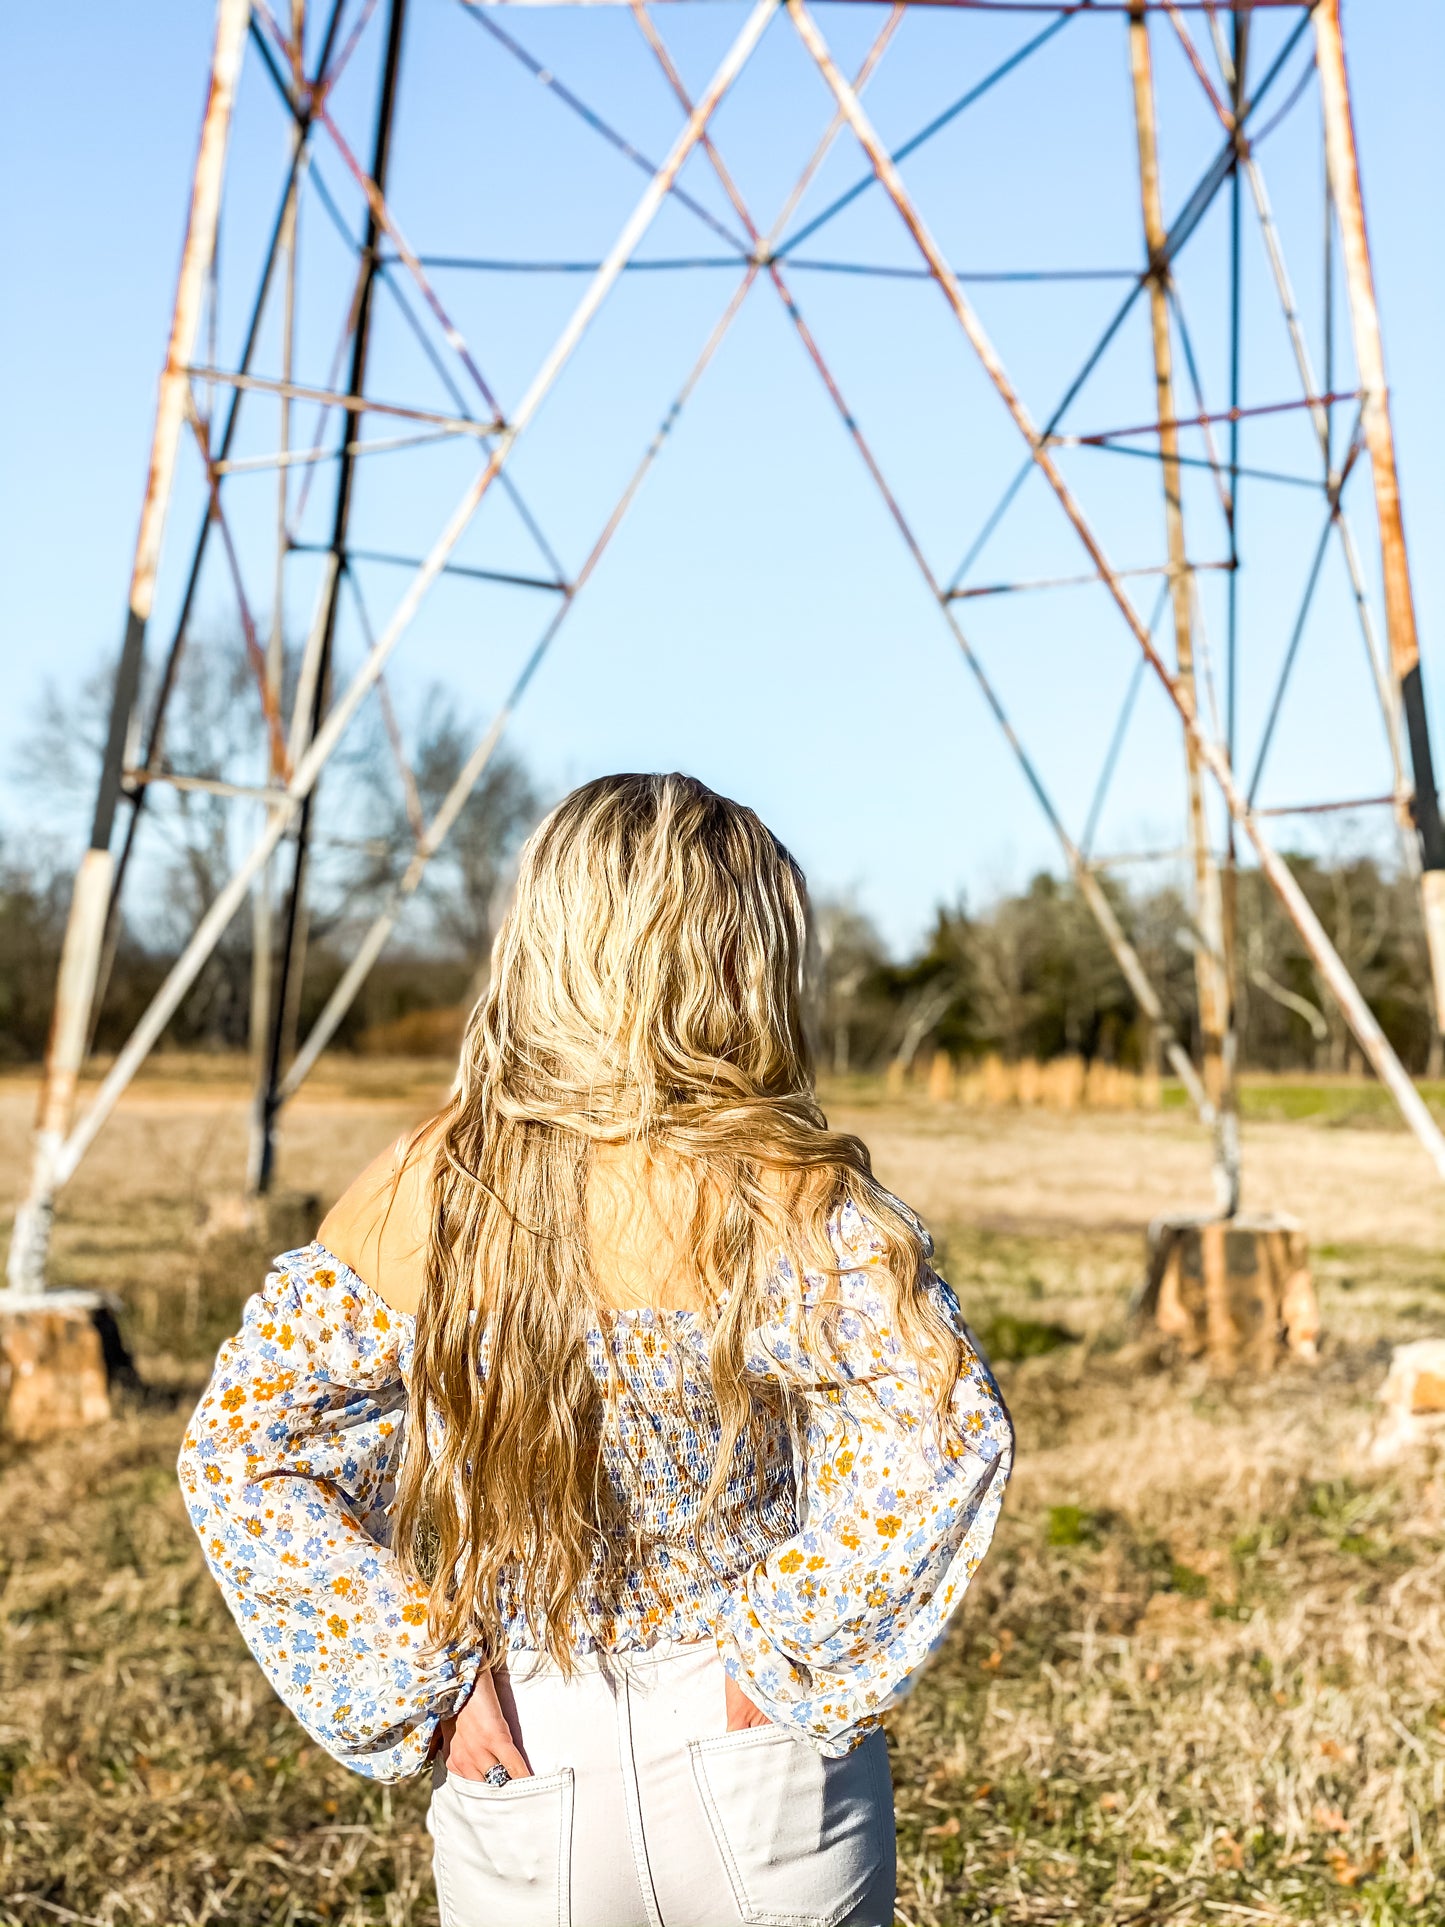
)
(526, 1662)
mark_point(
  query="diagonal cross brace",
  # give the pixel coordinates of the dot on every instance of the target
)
(1086, 879)
(232, 894)
(429, 843)
(85, 930)
(1368, 1034)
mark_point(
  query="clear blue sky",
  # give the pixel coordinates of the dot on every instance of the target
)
(757, 620)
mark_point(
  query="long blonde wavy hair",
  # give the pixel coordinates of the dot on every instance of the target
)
(646, 989)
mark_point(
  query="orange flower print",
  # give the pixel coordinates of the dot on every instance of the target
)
(833, 1617)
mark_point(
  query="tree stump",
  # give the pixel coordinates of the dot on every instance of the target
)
(1235, 1291)
(53, 1364)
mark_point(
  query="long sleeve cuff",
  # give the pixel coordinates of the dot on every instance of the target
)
(830, 1628)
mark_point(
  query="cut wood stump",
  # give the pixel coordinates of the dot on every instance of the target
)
(1235, 1291)
(53, 1366)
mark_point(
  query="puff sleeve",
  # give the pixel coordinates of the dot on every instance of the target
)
(895, 1514)
(286, 1468)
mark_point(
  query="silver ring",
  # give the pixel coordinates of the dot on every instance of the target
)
(496, 1775)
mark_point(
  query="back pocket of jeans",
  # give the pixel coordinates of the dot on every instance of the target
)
(807, 1841)
(503, 1853)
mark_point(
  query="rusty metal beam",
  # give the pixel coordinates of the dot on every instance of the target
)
(196, 256)
(1328, 809)
(1183, 227)
(67, 1155)
(1386, 690)
(293, 798)
(263, 893)
(1172, 424)
(381, 218)
(509, 578)
(310, 706)
(180, 630)
(925, 133)
(206, 785)
(431, 835)
(1238, 61)
(1088, 885)
(1086, 880)
(1089, 579)
(1021, 7)
(1213, 964)
(429, 843)
(90, 902)
(679, 263)
(270, 698)
(355, 404)
(545, 76)
(1404, 642)
(285, 457)
(1116, 740)
(303, 107)
(1371, 1039)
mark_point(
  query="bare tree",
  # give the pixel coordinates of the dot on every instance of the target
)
(849, 957)
(213, 734)
(32, 922)
(467, 880)
(1029, 976)
(194, 826)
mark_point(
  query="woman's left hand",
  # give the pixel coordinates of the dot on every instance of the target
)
(481, 1736)
(741, 1711)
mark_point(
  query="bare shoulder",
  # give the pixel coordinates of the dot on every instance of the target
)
(379, 1224)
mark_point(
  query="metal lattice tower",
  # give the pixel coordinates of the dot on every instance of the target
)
(1253, 62)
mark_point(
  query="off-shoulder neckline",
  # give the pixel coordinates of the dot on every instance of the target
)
(847, 1219)
(628, 1314)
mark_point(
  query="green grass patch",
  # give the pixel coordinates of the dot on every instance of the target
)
(1330, 1101)
(1009, 1339)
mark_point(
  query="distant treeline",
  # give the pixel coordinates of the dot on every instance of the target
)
(1028, 978)
(1032, 979)
(216, 1015)
(191, 838)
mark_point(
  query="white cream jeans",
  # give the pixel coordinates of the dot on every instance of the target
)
(646, 1812)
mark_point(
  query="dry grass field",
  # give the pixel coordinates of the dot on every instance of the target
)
(1201, 1678)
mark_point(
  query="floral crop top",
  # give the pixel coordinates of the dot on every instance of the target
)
(844, 1553)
